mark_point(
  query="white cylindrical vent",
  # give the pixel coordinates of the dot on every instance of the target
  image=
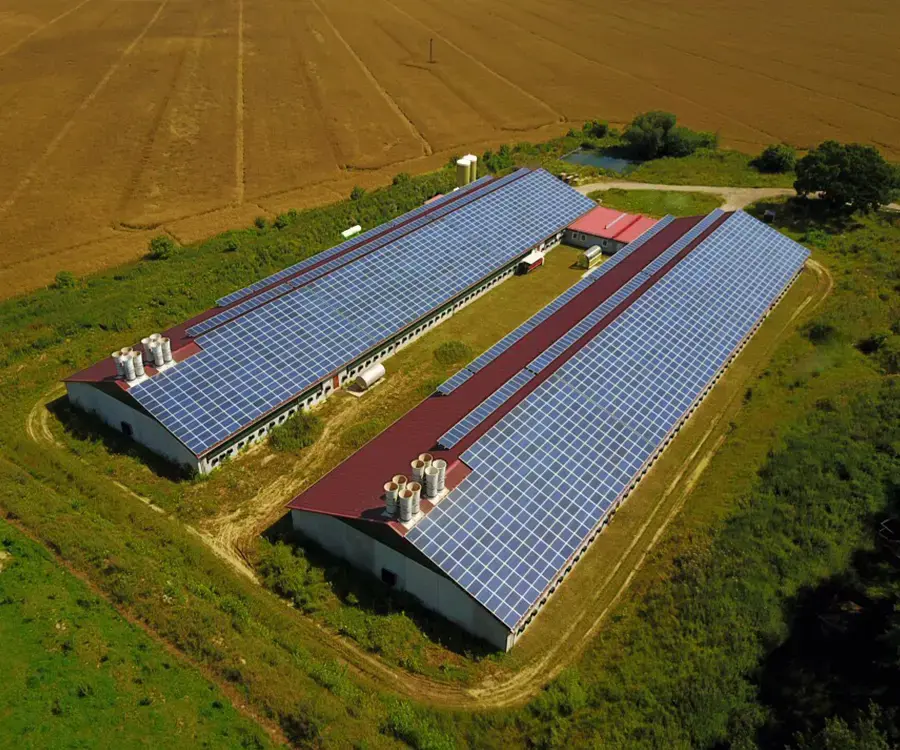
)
(406, 505)
(390, 497)
(157, 352)
(426, 458)
(431, 482)
(418, 470)
(441, 466)
(138, 359)
(148, 348)
(416, 489)
(166, 349)
(128, 367)
(120, 370)
(368, 377)
(126, 351)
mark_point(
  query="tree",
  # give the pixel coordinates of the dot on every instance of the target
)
(848, 177)
(655, 134)
(161, 247)
(776, 159)
(596, 129)
(357, 193)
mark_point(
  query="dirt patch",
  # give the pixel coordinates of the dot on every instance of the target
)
(5, 558)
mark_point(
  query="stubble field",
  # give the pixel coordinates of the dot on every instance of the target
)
(123, 118)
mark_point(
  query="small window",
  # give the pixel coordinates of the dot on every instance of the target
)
(389, 577)
(127, 429)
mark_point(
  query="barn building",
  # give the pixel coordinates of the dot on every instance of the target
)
(607, 228)
(207, 388)
(481, 499)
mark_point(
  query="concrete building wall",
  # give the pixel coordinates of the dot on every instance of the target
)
(121, 417)
(435, 591)
(584, 241)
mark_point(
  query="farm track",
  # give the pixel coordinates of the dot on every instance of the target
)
(226, 537)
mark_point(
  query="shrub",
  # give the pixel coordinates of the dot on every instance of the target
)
(819, 332)
(65, 280)
(495, 162)
(595, 129)
(411, 725)
(231, 246)
(282, 221)
(401, 179)
(816, 237)
(776, 159)
(655, 134)
(357, 193)
(286, 571)
(296, 433)
(260, 222)
(162, 247)
(452, 352)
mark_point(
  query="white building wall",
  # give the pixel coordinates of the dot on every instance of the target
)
(436, 592)
(145, 429)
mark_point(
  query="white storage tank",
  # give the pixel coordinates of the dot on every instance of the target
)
(368, 377)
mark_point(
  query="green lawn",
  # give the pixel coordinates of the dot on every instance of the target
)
(720, 167)
(76, 674)
(658, 203)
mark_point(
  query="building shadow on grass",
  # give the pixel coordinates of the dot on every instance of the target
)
(373, 598)
(802, 215)
(86, 428)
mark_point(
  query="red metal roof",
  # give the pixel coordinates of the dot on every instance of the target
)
(607, 223)
(354, 488)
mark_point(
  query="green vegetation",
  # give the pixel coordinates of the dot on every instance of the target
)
(162, 247)
(719, 167)
(596, 129)
(296, 433)
(652, 135)
(658, 203)
(65, 280)
(453, 352)
(847, 177)
(76, 674)
(693, 653)
(357, 193)
(776, 159)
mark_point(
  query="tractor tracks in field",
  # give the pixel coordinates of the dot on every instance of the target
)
(43, 27)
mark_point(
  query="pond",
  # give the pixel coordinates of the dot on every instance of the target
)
(591, 158)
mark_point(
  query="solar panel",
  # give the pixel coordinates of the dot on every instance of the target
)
(251, 365)
(341, 255)
(533, 322)
(360, 238)
(485, 409)
(548, 472)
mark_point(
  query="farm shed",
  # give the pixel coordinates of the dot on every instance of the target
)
(611, 230)
(481, 499)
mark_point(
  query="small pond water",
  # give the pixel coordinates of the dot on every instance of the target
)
(591, 158)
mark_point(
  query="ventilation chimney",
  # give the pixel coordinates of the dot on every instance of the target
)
(431, 482)
(416, 489)
(418, 470)
(390, 497)
(157, 352)
(426, 458)
(138, 359)
(406, 506)
(441, 467)
(128, 366)
(148, 349)
(400, 481)
(120, 369)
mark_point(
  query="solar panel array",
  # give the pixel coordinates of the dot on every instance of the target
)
(251, 365)
(545, 358)
(485, 408)
(547, 473)
(360, 238)
(534, 321)
(341, 256)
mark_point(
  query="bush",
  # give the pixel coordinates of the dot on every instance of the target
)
(401, 179)
(260, 222)
(231, 246)
(452, 352)
(357, 193)
(282, 221)
(496, 162)
(286, 571)
(847, 177)
(595, 129)
(297, 433)
(411, 725)
(65, 280)
(776, 159)
(652, 135)
(162, 247)
(816, 237)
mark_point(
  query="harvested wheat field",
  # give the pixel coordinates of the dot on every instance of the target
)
(123, 118)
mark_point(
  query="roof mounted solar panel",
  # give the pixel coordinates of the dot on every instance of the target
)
(545, 476)
(274, 353)
(356, 240)
(485, 409)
